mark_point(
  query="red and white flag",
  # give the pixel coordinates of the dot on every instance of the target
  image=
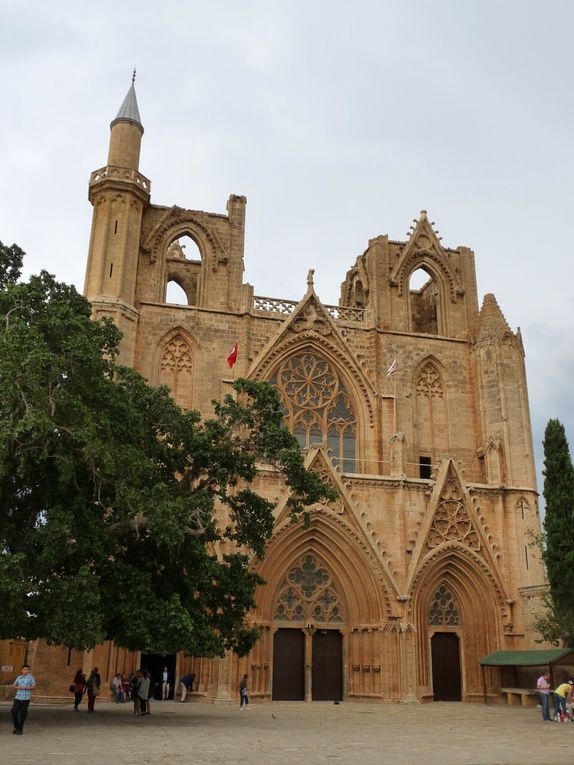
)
(392, 369)
(232, 358)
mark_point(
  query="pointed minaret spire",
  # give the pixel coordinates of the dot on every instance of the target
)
(127, 131)
(129, 111)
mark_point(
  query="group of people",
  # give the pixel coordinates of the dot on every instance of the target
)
(137, 687)
(563, 697)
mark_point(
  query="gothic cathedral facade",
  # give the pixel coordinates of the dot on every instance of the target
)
(423, 564)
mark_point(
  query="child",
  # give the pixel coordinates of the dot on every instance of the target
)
(243, 694)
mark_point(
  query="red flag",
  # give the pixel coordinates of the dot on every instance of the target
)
(232, 358)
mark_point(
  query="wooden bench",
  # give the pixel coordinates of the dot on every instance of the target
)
(523, 696)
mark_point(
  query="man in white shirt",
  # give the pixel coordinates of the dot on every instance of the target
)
(543, 687)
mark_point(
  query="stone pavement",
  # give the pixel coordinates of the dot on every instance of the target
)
(287, 733)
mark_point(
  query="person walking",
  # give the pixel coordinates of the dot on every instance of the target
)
(93, 688)
(143, 692)
(186, 684)
(543, 688)
(23, 685)
(79, 683)
(243, 693)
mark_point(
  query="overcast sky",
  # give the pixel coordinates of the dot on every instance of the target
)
(338, 120)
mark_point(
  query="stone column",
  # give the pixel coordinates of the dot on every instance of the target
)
(309, 632)
(222, 691)
(408, 664)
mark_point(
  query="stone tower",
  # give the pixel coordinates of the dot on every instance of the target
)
(119, 194)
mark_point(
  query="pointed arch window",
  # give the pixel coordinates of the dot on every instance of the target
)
(424, 301)
(307, 593)
(444, 611)
(429, 382)
(318, 408)
(183, 271)
(175, 369)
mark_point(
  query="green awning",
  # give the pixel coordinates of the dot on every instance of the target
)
(537, 658)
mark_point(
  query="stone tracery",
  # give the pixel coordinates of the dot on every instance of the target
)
(176, 356)
(318, 408)
(429, 383)
(175, 369)
(444, 611)
(451, 521)
(307, 592)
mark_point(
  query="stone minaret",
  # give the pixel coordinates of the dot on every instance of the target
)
(119, 195)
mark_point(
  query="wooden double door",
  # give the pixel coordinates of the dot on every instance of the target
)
(293, 650)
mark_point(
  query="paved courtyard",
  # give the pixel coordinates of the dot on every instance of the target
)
(282, 732)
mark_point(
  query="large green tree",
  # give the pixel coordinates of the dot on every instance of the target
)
(122, 516)
(558, 621)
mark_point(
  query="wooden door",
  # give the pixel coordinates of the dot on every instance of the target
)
(446, 681)
(327, 676)
(288, 665)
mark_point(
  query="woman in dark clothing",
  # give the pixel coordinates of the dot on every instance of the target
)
(79, 683)
(93, 686)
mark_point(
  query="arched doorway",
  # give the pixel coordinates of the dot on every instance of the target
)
(445, 653)
(457, 620)
(308, 644)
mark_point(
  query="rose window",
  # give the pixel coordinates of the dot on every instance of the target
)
(317, 407)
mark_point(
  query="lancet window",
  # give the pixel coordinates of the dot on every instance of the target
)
(443, 611)
(175, 369)
(307, 593)
(425, 301)
(429, 383)
(318, 408)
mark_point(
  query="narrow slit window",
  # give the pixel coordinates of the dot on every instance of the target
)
(425, 467)
(111, 269)
(116, 228)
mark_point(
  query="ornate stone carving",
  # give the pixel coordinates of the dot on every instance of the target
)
(444, 611)
(318, 408)
(177, 356)
(308, 594)
(451, 522)
(429, 383)
(310, 319)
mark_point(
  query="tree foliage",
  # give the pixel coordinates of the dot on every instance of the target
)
(557, 621)
(122, 516)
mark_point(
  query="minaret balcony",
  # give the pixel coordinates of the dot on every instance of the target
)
(122, 175)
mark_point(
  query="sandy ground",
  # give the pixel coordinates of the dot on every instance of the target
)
(283, 732)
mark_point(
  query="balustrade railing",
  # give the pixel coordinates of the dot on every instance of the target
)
(286, 307)
(121, 174)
